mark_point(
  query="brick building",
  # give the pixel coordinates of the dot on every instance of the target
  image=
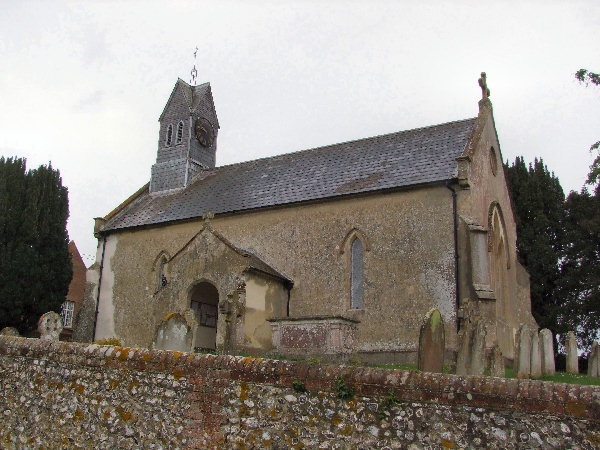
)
(74, 298)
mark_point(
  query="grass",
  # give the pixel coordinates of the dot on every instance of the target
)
(559, 377)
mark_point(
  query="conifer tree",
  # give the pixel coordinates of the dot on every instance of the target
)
(580, 274)
(538, 203)
(35, 265)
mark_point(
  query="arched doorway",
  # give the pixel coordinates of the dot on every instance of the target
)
(204, 300)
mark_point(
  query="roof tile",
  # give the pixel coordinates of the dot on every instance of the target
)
(396, 160)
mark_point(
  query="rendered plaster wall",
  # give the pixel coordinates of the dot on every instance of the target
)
(408, 265)
(107, 314)
(265, 299)
(511, 305)
(139, 304)
(60, 394)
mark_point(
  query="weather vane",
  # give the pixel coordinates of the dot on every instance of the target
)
(194, 72)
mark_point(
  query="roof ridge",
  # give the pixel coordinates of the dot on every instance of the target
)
(340, 144)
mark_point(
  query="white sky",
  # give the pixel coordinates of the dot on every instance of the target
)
(82, 84)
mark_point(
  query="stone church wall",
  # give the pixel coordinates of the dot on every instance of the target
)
(408, 265)
(484, 207)
(57, 394)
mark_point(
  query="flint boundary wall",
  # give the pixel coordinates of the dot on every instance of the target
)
(58, 394)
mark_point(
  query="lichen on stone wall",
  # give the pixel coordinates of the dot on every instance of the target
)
(74, 395)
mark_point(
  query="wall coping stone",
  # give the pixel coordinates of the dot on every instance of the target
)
(498, 393)
(313, 319)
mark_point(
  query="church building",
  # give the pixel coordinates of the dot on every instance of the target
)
(337, 250)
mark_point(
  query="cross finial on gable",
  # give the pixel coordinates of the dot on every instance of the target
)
(194, 71)
(485, 92)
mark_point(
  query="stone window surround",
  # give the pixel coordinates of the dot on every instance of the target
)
(481, 240)
(346, 247)
(169, 135)
(160, 266)
(179, 137)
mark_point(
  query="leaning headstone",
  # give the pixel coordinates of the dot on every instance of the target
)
(524, 353)
(478, 349)
(464, 351)
(174, 333)
(594, 361)
(9, 331)
(50, 326)
(496, 362)
(432, 343)
(572, 356)
(536, 357)
(547, 346)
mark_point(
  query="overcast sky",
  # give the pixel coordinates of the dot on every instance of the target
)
(82, 84)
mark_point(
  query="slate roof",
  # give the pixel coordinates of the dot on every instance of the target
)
(194, 96)
(391, 161)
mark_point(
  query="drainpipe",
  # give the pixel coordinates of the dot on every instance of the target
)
(455, 251)
(99, 284)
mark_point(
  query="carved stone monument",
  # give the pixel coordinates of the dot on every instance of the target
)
(50, 326)
(496, 362)
(536, 357)
(572, 356)
(547, 346)
(594, 361)
(523, 353)
(432, 343)
(464, 352)
(174, 333)
(478, 349)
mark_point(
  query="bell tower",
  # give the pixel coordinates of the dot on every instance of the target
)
(187, 139)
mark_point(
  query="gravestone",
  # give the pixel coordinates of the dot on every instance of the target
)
(594, 361)
(572, 357)
(478, 349)
(174, 333)
(547, 347)
(496, 362)
(9, 331)
(50, 326)
(464, 351)
(536, 357)
(432, 343)
(523, 367)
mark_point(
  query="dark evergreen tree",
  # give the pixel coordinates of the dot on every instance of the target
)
(587, 77)
(35, 265)
(538, 204)
(581, 267)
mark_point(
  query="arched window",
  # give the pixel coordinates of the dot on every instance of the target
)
(179, 132)
(169, 136)
(356, 293)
